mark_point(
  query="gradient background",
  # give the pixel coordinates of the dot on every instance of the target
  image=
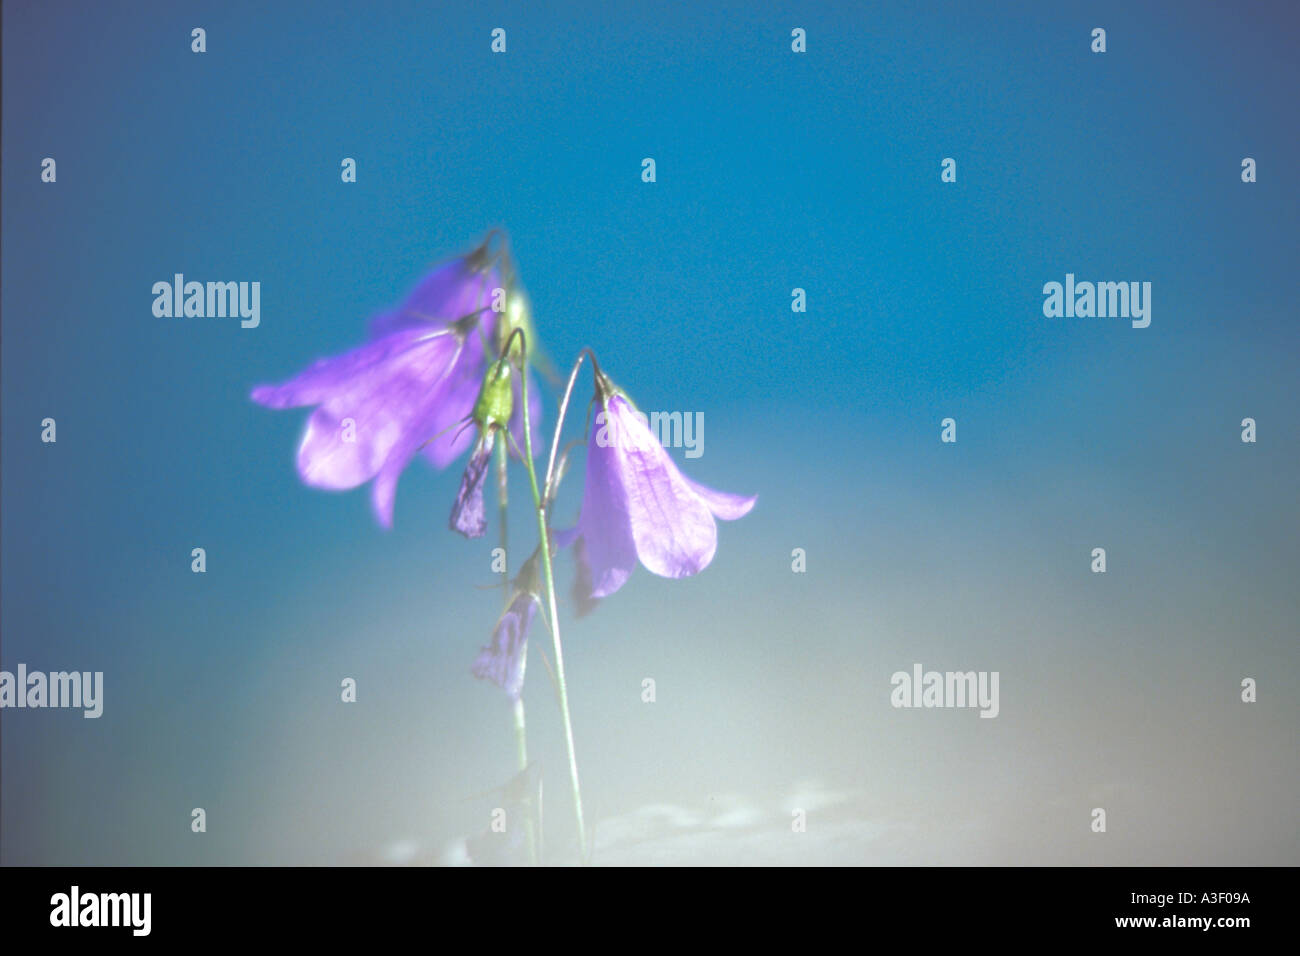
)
(774, 171)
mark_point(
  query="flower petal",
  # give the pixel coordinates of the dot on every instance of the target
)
(505, 658)
(608, 550)
(390, 405)
(324, 378)
(468, 515)
(456, 405)
(723, 504)
(672, 527)
(584, 601)
(450, 292)
(384, 490)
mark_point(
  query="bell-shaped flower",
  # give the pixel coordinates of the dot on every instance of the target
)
(637, 506)
(504, 658)
(492, 411)
(404, 390)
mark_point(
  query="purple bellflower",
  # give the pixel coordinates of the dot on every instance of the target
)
(492, 412)
(504, 658)
(637, 506)
(401, 393)
(502, 661)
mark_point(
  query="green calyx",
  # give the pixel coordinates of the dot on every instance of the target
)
(496, 399)
(606, 389)
(517, 315)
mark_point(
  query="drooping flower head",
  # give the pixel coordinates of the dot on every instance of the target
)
(638, 506)
(492, 413)
(405, 389)
(505, 657)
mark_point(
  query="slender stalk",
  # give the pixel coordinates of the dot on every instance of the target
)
(559, 425)
(521, 725)
(503, 502)
(521, 737)
(548, 578)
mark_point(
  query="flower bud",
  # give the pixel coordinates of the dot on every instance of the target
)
(496, 399)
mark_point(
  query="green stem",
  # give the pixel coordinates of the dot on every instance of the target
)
(549, 581)
(503, 502)
(521, 726)
(521, 735)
